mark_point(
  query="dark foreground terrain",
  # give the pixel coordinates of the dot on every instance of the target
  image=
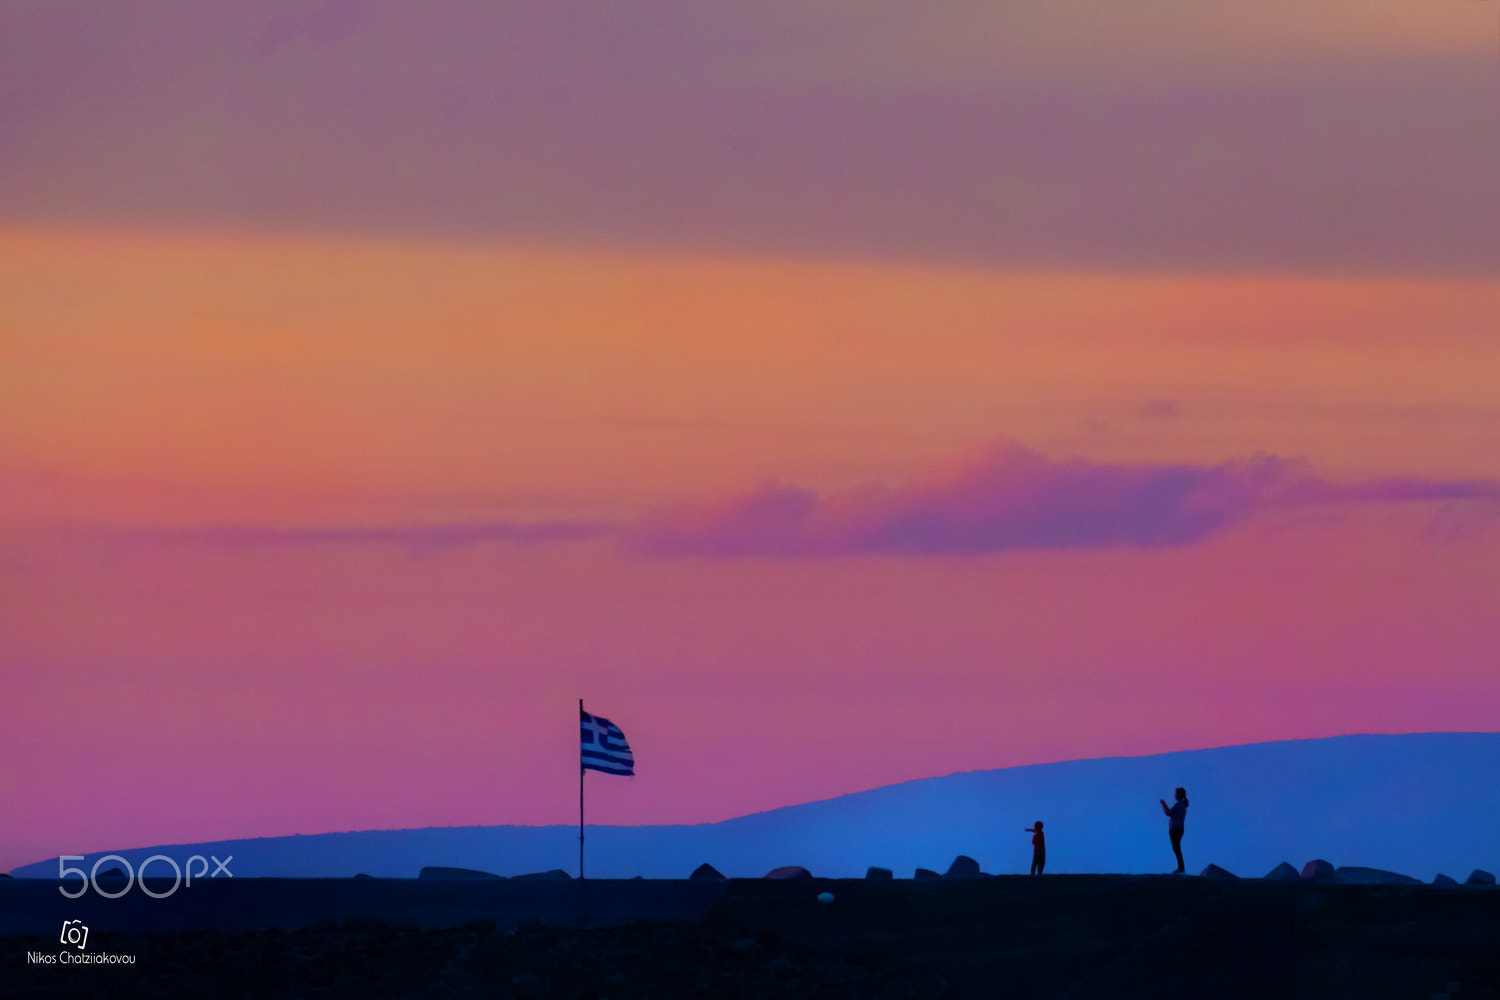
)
(1075, 936)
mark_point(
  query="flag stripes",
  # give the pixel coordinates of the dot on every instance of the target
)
(603, 746)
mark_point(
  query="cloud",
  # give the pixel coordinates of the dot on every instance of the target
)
(1349, 135)
(1011, 498)
(1157, 409)
(1014, 498)
(415, 536)
(1392, 490)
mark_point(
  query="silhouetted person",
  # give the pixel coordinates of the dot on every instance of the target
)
(1176, 814)
(1038, 848)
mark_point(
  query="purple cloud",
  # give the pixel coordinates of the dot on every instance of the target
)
(1011, 498)
(1015, 498)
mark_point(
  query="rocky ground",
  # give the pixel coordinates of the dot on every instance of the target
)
(1054, 936)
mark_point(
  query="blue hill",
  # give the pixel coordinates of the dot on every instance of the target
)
(1418, 804)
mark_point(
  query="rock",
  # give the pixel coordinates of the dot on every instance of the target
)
(4, 875)
(789, 871)
(963, 867)
(438, 871)
(1283, 873)
(706, 870)
(1214, 871)
(926, 875)
(117, 874)
(1445, 882)
(363, 875)
(1479, 877)
(1354, 875)
(1319, 871)
(550, 875)
(875, 874)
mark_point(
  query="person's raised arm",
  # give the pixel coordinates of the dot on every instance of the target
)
(1164, 808)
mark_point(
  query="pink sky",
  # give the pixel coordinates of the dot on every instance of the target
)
(823, 398)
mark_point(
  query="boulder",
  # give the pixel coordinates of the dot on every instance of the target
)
(963, 867)
(117, 874)
(875, 874)
(441, 872)
(1283, 873)
(706, 870)
(366, 875)
(1319, 870)
(1214, 871)
(789, 871)
(926, 875)
(1445, 882)
(1479, 877)
(550, 875)
(1354, 875)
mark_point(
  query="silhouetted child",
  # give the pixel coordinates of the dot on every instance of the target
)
(1038, 848)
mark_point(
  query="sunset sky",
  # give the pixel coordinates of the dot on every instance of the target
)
(830, 393)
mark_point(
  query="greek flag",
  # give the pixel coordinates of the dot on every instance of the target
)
(604, 747)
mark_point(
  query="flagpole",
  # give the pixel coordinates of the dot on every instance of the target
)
(580, 802)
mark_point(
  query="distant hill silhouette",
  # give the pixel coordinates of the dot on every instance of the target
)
(1418, 804)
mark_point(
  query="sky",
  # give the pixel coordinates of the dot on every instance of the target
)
(829, 393)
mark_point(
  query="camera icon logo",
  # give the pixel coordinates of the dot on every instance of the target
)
(74, 933)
